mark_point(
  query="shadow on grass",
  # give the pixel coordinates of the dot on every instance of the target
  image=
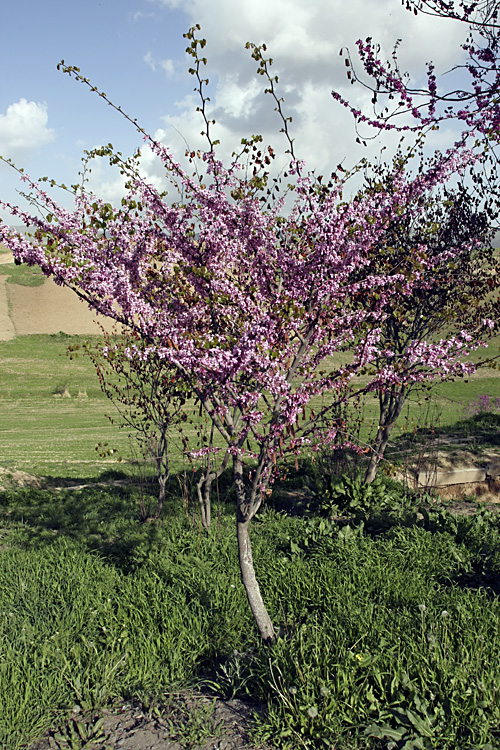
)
(479, 534)
(101, 518)
(107, 520)
(479, 431)
(482, 577)
(106, 513)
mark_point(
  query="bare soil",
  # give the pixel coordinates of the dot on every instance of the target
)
(48, 308)
(187, 721)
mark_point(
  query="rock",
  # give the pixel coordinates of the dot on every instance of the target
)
(493, 470)
(461, 475)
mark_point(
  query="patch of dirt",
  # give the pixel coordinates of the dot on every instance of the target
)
(487, 493)
(12, 478)
(48, 308)
(187, 721)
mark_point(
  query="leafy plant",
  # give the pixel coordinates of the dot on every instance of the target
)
(81, 734)
(60, 389)
(345, 496)
(234, 675)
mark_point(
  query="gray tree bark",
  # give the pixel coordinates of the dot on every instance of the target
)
(390, 406)
(250, 582)
(248, 503)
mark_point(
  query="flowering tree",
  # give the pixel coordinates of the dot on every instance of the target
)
(148, 394)
(476, 106)
(243, 299)
(454, 306)
(471, 99)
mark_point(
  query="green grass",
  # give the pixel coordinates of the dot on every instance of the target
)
(57, 437)
(53, 436)
(40, 432)
(96, 606)
(23, 274)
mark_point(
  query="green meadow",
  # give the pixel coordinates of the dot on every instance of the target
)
(44, 433)
(387, 604)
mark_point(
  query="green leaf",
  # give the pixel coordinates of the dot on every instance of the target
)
(381, 732)
(420, 725)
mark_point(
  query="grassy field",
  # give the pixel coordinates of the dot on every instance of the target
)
(53, 436)
(42, 432)
(389, 617)
(45, 433)
(390, 630)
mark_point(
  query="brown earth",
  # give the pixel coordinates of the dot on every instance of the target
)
(43, 309)
(185, 721)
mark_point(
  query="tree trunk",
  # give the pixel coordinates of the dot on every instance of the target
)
(162, 480)
(390, 406)
(250, 582)
(378, 450)
(247, 505)
(159, 450)
(204, 490)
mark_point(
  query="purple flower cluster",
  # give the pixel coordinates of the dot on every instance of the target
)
(247, 302)
(482, 404)
(477, 107)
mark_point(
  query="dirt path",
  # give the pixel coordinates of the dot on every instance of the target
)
(7, 330)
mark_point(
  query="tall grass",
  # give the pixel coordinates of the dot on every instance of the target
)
(389, 632)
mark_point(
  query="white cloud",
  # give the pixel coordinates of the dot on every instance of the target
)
(140, 15)
(313, 32)
(149, 60)
(168, 66)
(24, 127)
(304, 41)
(237, 100)
(106, 183)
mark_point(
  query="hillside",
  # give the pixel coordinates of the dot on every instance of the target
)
(31, 304)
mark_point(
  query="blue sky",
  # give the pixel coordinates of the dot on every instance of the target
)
(135, 52)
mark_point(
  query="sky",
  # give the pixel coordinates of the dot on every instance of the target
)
(134, 51)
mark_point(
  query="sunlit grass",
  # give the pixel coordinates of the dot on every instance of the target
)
(392, 630)
(45, 434)
(23, 274)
